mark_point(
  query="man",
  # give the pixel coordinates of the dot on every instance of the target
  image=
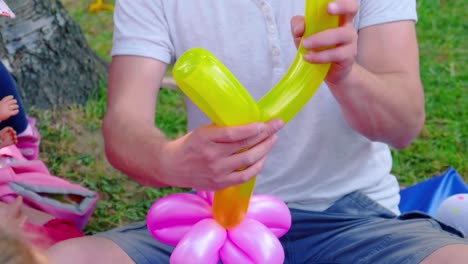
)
(330, 164)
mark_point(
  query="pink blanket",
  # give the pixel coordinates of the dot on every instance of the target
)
(43, 191)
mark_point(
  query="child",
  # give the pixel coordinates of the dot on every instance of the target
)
(14, 247)
(15, 126)
(17, 251)
(39, 229)
(5, 10)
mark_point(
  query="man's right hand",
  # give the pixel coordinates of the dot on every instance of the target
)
(210, 157)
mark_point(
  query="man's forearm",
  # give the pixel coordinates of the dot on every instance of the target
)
(132, 143)
(134, 149)
(387, 107)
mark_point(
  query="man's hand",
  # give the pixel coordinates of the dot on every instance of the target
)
(343, 40)
(209, 158)
(8, 107)
(374, 78)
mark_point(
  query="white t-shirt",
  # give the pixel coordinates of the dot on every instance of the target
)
(318, 157)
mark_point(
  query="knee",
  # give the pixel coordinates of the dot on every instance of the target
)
(451, 254)
(87, 250)
(67, 252)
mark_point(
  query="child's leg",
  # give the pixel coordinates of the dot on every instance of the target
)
(28, 136)
(8, 87)
(7, 137)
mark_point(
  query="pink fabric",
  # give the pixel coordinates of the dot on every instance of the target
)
(29, 140)
(13, 153)
(50, 233)
(35, 173)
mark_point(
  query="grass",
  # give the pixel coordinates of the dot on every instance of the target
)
(443, 142)
(72, 144)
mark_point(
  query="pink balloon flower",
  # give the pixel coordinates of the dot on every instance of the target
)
(185, 220)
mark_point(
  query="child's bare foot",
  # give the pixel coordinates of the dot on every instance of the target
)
(8, 107)
(7, 137)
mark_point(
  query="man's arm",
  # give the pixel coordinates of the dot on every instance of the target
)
(207, 158)
(382, 96)
(374, 74)
(132, 142)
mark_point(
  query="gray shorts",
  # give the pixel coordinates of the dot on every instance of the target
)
(355, 229)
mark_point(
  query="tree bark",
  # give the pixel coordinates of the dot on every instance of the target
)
(47, 55)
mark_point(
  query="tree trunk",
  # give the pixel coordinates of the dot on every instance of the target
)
(47, 55)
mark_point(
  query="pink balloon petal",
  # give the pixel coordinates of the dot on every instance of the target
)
(207, 195)
(170, 236)
(232, 254)
(256, 242)
(271, 212)
(172, 216)
(201, 244)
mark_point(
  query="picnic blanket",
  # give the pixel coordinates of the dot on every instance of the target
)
(428, 195)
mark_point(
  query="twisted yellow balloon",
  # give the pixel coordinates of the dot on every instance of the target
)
(210, 86)
(99, 5)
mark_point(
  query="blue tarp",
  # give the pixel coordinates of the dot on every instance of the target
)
(427, 196)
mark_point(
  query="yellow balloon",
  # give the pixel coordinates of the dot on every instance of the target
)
(302, 79)
(213, 89)
(99, 5)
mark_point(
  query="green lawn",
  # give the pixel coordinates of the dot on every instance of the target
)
(442, 34)
(72, 145)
